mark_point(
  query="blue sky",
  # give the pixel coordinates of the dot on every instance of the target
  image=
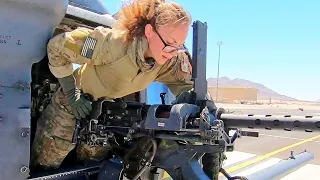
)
(275, 43)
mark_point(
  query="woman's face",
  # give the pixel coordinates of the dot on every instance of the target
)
(165, 42)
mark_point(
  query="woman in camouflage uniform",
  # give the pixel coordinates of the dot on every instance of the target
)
(145, 45)
(140, 49)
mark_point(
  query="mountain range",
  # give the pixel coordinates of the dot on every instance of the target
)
(264, 93)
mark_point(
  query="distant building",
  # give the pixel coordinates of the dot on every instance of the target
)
(234, 94)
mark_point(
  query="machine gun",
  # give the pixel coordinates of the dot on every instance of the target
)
(190, 131)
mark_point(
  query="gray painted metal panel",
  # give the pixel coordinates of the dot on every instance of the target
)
(25, 28)
(175, 122)
(92, 5)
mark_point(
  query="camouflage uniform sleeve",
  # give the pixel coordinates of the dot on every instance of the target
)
(79, 46)
(177, 74)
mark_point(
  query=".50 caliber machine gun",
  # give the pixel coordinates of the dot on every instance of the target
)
(189, 131)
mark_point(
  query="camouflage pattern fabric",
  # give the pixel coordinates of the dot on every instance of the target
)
(114, 70)
(54, 133)
(212, 162)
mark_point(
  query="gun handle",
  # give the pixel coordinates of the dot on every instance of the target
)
(162, 96)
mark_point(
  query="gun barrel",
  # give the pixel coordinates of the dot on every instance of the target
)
(287, 122)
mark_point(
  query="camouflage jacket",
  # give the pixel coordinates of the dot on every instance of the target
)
(109, 69)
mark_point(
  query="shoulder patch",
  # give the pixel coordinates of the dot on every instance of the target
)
(88, 47)
(182, 69)
(185, 66)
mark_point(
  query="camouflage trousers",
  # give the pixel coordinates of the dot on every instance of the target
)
(53, 139)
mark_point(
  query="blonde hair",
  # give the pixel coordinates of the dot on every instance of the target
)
(134, 16)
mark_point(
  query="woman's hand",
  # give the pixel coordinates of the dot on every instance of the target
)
(81, 107)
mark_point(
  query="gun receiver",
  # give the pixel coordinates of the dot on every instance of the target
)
(180, 122)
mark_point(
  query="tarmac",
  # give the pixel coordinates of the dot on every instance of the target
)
(253, 154)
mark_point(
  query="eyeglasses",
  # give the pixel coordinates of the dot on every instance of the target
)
(168, 48)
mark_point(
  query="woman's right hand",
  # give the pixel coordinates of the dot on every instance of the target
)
(81, 107)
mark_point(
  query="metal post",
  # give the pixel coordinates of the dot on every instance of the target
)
(199, 59)
(219, 44)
